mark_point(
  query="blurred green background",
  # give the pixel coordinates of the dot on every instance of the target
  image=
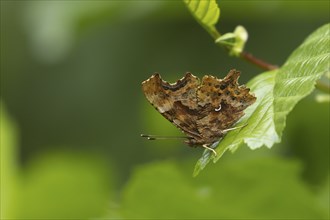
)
(72, 111)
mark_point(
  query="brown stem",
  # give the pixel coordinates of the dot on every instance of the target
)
(258, 62)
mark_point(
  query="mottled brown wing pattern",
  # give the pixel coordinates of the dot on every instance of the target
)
(177, 102)
(222, 102)
(202, 110)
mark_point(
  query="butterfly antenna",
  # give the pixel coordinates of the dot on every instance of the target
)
(158, 137)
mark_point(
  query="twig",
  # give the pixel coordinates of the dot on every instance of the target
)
(258, 62)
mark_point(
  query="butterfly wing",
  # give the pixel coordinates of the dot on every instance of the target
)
(176, 102)
(222, 103)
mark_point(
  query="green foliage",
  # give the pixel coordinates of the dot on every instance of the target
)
(57, 185)
(277, 93)
(296, 79)
(259, 188)
(207, 13)
(260, 128)
(65, 185)
(74, 103)
(234, 41)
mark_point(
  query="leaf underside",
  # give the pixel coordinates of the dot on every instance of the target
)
(277, 93)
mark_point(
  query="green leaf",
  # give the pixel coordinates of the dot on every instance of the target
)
(260, 188)
(235, 41)
(207, 13)
(277, 93)
(260, 128)
(296, 79)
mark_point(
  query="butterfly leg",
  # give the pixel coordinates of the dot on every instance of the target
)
(234, 128)
(211, 149)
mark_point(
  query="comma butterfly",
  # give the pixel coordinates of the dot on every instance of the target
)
(204, 110)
